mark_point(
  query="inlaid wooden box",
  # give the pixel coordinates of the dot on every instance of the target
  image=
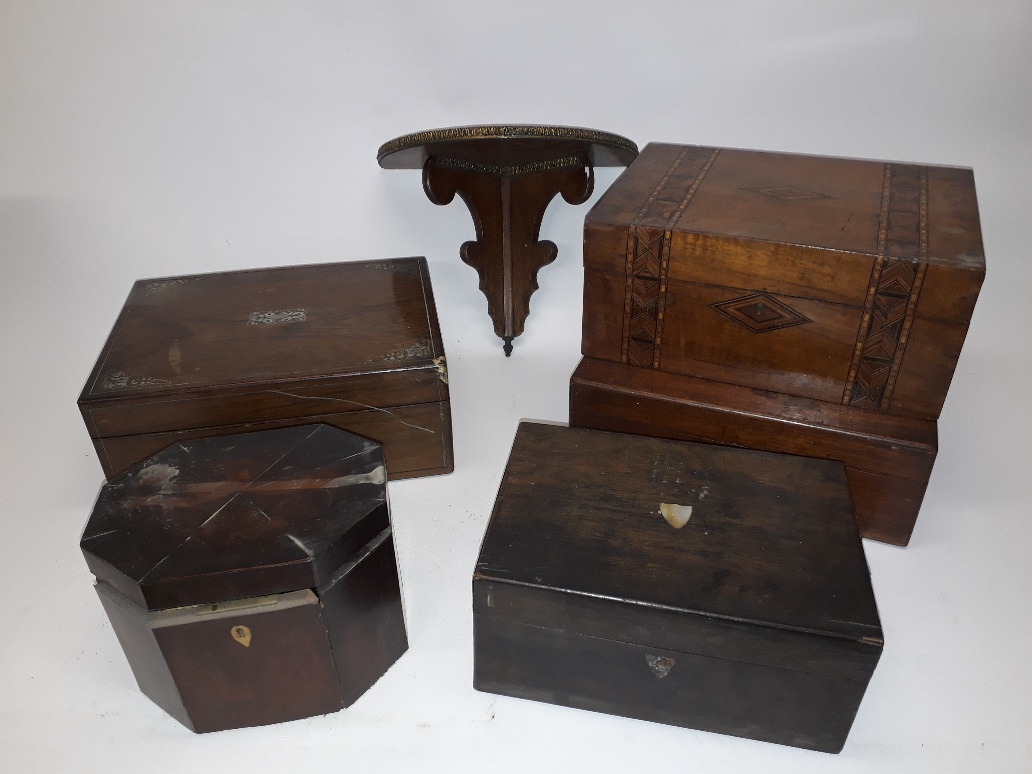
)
(783, 302)
(355, 345)
(845, 281)
(251, 579)
(697, 585)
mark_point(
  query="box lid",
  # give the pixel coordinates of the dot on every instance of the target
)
(238, 516)
(763, 539)
(799, 225)
(275, 343)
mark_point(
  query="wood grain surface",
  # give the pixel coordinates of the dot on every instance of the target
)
(841, 280)
(888, 458)
(587, 594)
(238, 516)
(190, 355)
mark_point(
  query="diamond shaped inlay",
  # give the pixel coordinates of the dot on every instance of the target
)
(760, 313)
(787, 193)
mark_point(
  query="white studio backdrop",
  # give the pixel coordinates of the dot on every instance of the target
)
(146, 139)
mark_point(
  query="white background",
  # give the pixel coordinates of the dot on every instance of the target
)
(142, 139)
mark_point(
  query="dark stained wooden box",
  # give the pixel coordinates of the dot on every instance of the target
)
(251, 579)
(888, 458)
(844, 281)
(691, 584)
(356, 345)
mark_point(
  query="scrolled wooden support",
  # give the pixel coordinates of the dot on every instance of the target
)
(507, 176)
(507, 210)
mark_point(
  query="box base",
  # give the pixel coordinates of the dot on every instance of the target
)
(888, 459)
(782, 706)
(271, 659)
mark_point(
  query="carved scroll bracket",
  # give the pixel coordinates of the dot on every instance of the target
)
(507, 175)
(507, 210)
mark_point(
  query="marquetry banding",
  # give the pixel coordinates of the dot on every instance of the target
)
(915, 291)
(898, 273)
(865, 322)
(512, 170)
(664, 269)
(650, 330)
(632, 237)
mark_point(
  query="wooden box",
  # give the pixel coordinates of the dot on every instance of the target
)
(355, 345)
(691, 584)
(251, 578)
(785, 303)
(844, 281)
(888, 458)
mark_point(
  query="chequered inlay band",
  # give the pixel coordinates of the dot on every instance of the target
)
(648, 255)
(895, 285)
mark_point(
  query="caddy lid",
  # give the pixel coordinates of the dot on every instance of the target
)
(238, 516)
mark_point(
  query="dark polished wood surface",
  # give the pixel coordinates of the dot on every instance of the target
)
(238, 516)
(772, 538)
(841, 280)
(739, 698)
(365, 621)
(189, 663)
(888, 458)
(251, 579)
(268, 659)
(507, 175)
(586, 594)
(216, 353)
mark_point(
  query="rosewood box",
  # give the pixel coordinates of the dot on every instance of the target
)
(697, 585)
(355, 345)
(848, 284)
(251, 578)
